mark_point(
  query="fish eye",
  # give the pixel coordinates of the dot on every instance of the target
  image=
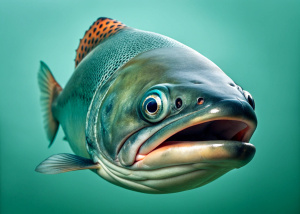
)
(154, 106)
(249, 98)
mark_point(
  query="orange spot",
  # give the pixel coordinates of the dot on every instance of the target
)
(101, 29)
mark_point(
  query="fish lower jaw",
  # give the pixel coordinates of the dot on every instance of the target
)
(220, 140)
(163, 180)
(176, 166)
(227, 154)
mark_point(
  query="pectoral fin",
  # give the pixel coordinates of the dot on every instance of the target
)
(64, 163)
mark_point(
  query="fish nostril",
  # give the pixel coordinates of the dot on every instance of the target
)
(231, 84)
(200, 101)
(178, 103)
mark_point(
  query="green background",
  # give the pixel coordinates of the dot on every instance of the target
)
(257, 43)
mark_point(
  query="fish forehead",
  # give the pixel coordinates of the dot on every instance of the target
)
(184, 71)
(175, 65)
(181, 70)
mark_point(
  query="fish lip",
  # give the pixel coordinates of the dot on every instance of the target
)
(222, 110)
(226, 155)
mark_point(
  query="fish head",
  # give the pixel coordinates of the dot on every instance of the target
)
(169, 120)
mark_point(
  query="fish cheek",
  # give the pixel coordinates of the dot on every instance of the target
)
(105, 125)
(119, 115)
(118, 119)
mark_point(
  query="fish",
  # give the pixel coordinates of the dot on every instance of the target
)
(146, 112)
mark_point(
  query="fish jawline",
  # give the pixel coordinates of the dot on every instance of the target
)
(225, 154)
(159, 181)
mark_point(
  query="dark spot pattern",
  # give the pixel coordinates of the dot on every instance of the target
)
(101, 29)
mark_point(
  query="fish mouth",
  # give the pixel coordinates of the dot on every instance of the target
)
(218, 142)
(217, 135)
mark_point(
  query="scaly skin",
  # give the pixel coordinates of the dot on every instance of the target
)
(151, 114)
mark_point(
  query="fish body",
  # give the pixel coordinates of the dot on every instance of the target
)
(146, 112)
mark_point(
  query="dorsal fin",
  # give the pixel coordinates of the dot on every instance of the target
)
(101, 29)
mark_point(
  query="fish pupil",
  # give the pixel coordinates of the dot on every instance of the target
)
(151, 105)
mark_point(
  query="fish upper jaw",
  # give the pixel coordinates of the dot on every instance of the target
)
(218, 133)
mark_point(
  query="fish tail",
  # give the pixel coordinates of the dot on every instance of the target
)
(50, 89)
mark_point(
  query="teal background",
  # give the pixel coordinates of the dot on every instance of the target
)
(257, 43)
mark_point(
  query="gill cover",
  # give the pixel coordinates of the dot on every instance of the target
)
(108, 57)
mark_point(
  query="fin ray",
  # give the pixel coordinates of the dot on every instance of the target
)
(64, 162)
(49, 89)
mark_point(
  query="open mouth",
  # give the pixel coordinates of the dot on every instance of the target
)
(212, 131)
(228, 130)
(189, 148)
(193, 138)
